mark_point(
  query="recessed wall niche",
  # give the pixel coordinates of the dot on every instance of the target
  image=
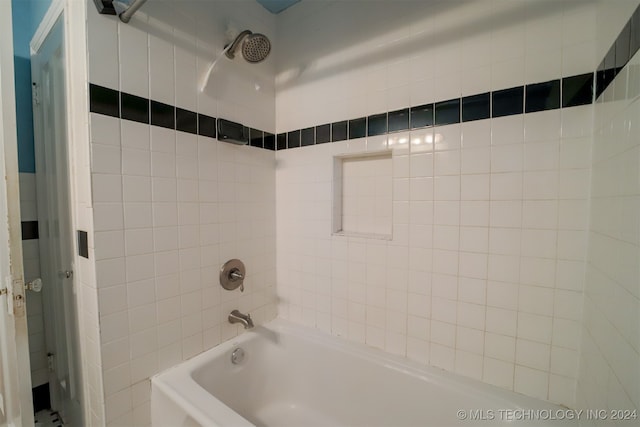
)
(363, 195)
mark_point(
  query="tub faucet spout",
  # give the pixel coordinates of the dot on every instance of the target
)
(236, 317)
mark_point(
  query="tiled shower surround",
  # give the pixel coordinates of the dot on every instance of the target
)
(171, 204)
(609, 372)
(484, 273)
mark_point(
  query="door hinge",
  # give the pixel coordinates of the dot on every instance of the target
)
(51, 363)
(66, 274)
(35, 93)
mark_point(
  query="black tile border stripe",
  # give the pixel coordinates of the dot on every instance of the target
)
(30, 230)
(186, 121)
(256, 138)
(308, 136)
(542, 96)
(577, 90)
(323, 133)
(339, 131)
(357, 128)
(269, 141)
(507, 102)
(500, 103)
(447, 112)
(293, 139)
(624, 47)
(377, 125)
(110, 102)
(104, 101)
(421, 116)
(566, 92)
(163, 115)
(207, 126)
(134, 108)
(529, 98)
(476, 107)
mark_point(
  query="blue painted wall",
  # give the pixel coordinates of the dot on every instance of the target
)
(277, 6)
(38, 10)
(26, 16)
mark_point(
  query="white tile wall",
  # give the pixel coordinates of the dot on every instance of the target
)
(366, 199)
(461, 292)
(169, 207)
(391, 56)
(609, 374)
(164, 304)
(484, 273)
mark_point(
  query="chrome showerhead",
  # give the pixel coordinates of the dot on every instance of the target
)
(255, 47)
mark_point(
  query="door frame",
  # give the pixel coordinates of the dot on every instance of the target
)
(78, 161)
(54, 215)
(17, 370)
(44, 29)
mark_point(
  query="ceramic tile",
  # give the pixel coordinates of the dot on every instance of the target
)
(496, 215)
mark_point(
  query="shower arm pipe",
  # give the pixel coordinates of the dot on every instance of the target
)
(230, 50)
(205, 79)
(126, 15)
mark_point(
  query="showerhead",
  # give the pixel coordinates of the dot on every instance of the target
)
(255, 47)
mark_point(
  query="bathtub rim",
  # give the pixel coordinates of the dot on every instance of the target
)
(178, 381)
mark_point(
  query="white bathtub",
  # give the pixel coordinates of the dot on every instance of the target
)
(294, 376)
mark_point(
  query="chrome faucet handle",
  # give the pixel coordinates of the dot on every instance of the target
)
(232, 275)
(236, 275)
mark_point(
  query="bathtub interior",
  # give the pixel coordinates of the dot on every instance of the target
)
(291, 377)
(277, 385)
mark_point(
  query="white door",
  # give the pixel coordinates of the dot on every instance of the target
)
(16, 406)
(54, 220)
